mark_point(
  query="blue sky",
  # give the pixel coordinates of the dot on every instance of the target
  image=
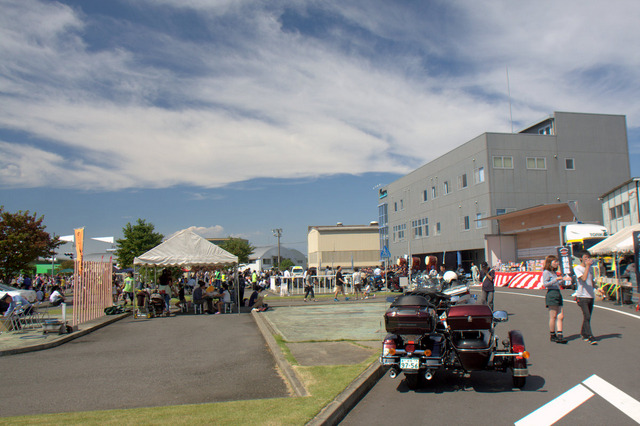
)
(236, 117)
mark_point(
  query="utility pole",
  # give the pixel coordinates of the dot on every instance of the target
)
(278, 233)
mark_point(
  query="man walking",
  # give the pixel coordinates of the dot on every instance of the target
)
(585, 295)
(339, 284)
(475, 273)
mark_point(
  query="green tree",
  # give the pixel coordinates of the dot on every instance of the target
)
(22, 240)
(138, 239)
(67, 264)
(238, 247)
(285, 263)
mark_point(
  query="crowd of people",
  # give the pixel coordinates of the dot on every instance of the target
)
(46, 288)
(210, 291)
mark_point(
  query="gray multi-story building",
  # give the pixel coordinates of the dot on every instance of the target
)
(442, 207)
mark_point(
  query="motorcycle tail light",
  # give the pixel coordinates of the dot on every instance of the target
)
(520, 349)
(410, 347)
(388, 348)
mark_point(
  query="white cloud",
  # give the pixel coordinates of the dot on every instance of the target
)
(267, 101)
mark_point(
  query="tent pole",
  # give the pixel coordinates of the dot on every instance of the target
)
(237, 285)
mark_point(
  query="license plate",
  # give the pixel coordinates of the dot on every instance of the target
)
(410, 363)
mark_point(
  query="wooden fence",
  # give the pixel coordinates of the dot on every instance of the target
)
(91, 290)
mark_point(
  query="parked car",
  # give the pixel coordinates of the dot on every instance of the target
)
(297, 271)
(30, 295)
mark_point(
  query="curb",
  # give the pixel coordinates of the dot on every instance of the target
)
(285, 367)
(61, 340)
(336, 410)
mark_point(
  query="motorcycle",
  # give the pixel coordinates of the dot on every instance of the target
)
(431, 331)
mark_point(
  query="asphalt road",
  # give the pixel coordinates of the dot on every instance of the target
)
(486, 398)
(186, 359)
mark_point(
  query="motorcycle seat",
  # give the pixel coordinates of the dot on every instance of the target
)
(412, 300)
(474, 339)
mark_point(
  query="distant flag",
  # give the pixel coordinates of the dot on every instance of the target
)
(104, 239)
(67, 238)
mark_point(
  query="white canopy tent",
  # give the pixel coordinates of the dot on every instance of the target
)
(620, 242)
(617, 244)
(186, 248)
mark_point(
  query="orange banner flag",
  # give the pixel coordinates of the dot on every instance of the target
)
(79, 233)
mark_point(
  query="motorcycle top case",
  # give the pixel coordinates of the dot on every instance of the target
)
(469, 317)
(410, 315)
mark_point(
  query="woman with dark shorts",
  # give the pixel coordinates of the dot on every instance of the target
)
(553, 299)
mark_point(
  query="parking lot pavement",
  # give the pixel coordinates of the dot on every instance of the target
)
(185, 359)
(323, 333)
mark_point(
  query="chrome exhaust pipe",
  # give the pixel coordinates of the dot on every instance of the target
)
(393, 373)
(428, 375)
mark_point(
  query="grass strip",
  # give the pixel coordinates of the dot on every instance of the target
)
(285, 350)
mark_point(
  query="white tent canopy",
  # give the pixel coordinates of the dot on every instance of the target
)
(620, 242)
(186, 248)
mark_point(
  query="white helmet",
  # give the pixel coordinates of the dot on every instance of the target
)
(450, 276)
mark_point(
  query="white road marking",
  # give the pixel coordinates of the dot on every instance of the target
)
(557, 408)
(615, 396)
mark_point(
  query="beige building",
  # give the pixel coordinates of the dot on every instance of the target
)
(343, 245)
(620, 206)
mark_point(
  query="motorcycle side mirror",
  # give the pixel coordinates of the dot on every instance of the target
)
(500, 316)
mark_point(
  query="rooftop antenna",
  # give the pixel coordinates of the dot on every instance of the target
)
(509, 94)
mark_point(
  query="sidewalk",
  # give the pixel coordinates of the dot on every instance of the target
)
(16, 342)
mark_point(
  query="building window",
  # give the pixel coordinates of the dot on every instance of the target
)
(438, 230)
(503, 162)
(569, 164)
(395, 206)
(446, 187)
(503, 211)
(536, 163)
(619, 211)
(462, 181)
(478, 175)
(420, 228)
(383, 217)
(384, 236)
(479, 222)
(434, 192)
(466, 223)
(545, 130)
(401, 204)
(425, 195)
(398, 232)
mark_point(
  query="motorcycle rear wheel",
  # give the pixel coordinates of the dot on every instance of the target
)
(519, 382)
(412, 380)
